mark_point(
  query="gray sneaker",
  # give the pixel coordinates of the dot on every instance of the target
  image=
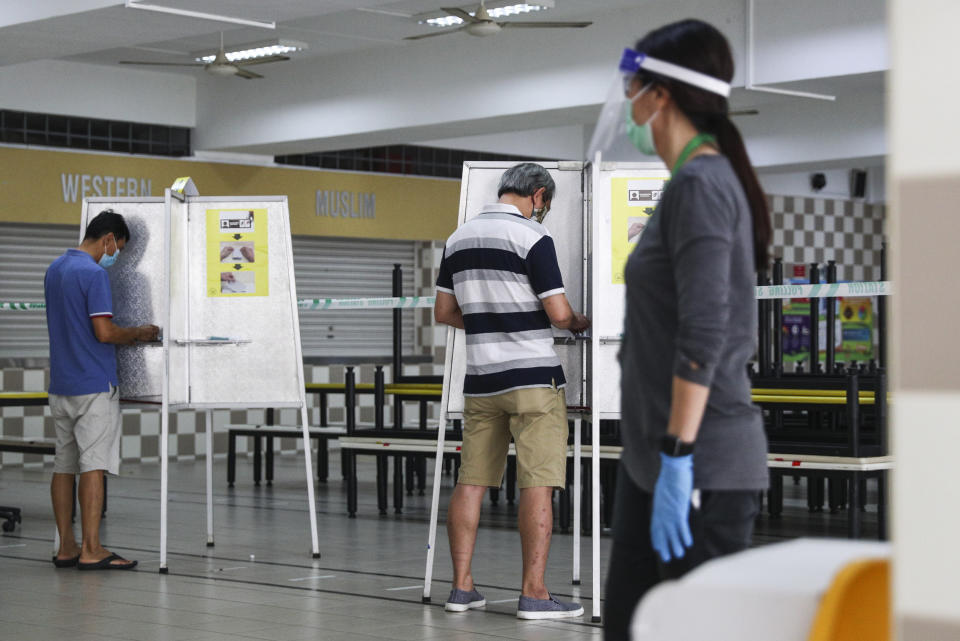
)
(461, 600)
(551, 608)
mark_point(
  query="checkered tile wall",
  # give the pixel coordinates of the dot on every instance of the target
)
(807, 230)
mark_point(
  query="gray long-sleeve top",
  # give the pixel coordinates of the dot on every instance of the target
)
(691, 312)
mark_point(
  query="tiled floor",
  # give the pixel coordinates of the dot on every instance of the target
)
(259, 582)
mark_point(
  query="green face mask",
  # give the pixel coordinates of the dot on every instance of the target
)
(641, 135)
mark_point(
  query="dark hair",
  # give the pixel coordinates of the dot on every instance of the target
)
(525, 179)
(696, 45)
(107, 221)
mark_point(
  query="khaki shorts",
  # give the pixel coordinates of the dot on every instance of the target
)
(536, 418)
(88, 432)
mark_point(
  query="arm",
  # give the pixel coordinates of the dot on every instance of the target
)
(700, 239)
(562, 315)
(446, 310)
(107, 332)
(547, 282)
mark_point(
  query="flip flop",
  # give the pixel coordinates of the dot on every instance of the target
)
(66, 563)
(107, 564)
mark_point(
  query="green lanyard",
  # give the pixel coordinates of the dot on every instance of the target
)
(695, 142)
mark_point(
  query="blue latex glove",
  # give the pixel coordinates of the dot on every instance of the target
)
(669, 524)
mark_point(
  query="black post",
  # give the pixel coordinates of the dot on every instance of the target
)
(763, 349)
(777, 320)
(814, 322)
(397, 346)
(350, 399)
(853, 415)
(880, 409)
(831, 319)
(379, 398)
(397, 324)
(882, 313)
(269, 438)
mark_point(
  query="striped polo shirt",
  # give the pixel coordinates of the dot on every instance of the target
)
(500, 266)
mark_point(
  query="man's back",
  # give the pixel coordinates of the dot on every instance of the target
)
(76, 289)
(500, 266)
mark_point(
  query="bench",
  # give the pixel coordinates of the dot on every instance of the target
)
(269, 432)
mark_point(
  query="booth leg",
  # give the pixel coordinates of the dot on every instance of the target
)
(577, 490)
(308, 464)
(164, 483)
(208, 422)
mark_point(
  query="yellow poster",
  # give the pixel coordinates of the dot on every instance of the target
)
(632, 202)
(237, 253)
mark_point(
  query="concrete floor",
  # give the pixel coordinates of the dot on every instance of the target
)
(259, 582)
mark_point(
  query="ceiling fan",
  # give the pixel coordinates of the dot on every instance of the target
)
(481, 24)
(220, 66)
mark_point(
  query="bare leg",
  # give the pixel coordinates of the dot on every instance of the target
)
(90, 494)
(91, 507)
(536, 528)
(463, 517)
(61, 494)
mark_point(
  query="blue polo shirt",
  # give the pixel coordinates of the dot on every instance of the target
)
(77, 289)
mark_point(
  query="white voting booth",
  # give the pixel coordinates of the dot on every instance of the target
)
(596, 216)
(216, 274)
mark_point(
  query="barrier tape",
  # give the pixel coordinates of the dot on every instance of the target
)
(403, 302)
(825, 290)
(881, 288)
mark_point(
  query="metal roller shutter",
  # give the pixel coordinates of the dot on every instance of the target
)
(25, 253)
(349, 268)
(325, 268)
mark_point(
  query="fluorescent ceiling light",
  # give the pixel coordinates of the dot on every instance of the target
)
(253, 50)
(131, 4)
(496, 10)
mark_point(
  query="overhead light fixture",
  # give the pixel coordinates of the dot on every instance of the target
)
(253, 50)
(494, 9)
(186, 13)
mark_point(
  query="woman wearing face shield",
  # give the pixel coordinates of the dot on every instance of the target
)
(694, 459)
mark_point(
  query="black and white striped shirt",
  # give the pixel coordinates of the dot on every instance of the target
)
(500, 266)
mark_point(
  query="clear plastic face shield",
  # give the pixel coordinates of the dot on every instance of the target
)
(610, 136)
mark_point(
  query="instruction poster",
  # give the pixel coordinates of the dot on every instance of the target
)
(237, 253)
(633, 202)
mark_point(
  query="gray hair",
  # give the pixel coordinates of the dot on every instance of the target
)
(525, 179)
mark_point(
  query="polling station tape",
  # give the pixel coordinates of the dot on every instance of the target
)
(826, 290)
(880, 288)
(402, 302)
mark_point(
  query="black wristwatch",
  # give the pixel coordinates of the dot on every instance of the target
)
(673, 446)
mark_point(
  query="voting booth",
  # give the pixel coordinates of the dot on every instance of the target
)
(597, 215)
(216, 275)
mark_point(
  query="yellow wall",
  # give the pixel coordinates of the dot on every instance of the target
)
(39, 186)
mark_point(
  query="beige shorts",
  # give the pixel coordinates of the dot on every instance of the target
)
(535, 417)
(88, 432)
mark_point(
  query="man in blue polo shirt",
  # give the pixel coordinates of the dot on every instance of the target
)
(84, 398)
(500, 281)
